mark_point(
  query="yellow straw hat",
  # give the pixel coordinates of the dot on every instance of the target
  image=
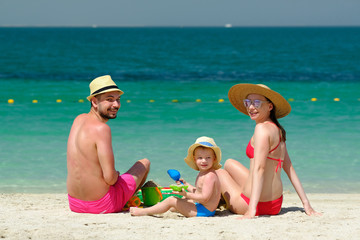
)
(204, 142)
(102, 84)
(239, 92)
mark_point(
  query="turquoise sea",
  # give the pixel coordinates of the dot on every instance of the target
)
(163, 71)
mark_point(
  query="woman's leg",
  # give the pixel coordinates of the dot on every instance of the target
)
(237, 171)
(231, 188)
(186, 208)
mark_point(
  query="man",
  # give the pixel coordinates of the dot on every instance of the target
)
(93, 184)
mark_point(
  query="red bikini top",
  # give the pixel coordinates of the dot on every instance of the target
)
(250, 152)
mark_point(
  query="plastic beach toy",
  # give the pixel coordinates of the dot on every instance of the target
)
(174, 174)
(178, 188)
(165, 192)
(151, 195)
(134, 201)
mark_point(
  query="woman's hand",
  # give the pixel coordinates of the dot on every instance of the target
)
(310, 211)
(248, 215)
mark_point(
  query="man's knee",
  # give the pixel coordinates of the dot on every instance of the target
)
(143, 165)
(146, 163)
(140, 168)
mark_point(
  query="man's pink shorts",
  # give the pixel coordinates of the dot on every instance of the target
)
(113, 201)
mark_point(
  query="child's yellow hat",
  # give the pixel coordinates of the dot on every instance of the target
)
(204, 142)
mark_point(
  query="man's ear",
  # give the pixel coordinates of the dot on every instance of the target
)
(94, 102)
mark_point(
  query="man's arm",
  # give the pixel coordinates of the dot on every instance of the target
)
(106, 154)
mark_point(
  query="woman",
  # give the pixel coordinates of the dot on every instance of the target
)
(258, 190)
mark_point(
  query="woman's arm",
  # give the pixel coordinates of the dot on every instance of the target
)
(261, 150)
(295, 181)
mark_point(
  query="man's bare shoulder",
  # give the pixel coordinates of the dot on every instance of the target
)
(94, 123)
(89, 123)
(80, 117)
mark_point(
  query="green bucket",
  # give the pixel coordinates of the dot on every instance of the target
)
(151, 195)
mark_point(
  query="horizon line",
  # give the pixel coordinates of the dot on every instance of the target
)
(164, 26)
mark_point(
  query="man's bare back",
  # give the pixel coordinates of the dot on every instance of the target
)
(85, 176)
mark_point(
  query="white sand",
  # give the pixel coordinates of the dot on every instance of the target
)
(47, 216)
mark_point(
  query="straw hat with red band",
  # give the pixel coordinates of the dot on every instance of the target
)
(204, 142)
(239, 92)
(101, 85)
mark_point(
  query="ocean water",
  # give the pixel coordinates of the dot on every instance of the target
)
(174, 67)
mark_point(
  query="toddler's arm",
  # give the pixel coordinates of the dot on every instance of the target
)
(207, 189)
(190, 188)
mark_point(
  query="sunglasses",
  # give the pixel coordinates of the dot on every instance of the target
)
(256, 103)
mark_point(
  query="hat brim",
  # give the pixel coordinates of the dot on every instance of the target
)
(190, 157)
(105, 91)
(239, 92)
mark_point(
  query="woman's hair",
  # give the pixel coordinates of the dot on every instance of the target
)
(274, 119)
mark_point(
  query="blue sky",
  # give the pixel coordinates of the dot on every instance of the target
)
(180, 12)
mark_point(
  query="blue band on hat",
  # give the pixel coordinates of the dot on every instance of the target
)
(206, 144)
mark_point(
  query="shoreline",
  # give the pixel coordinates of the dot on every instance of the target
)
(47, 216)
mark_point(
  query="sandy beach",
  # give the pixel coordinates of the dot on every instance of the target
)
(47, 216)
